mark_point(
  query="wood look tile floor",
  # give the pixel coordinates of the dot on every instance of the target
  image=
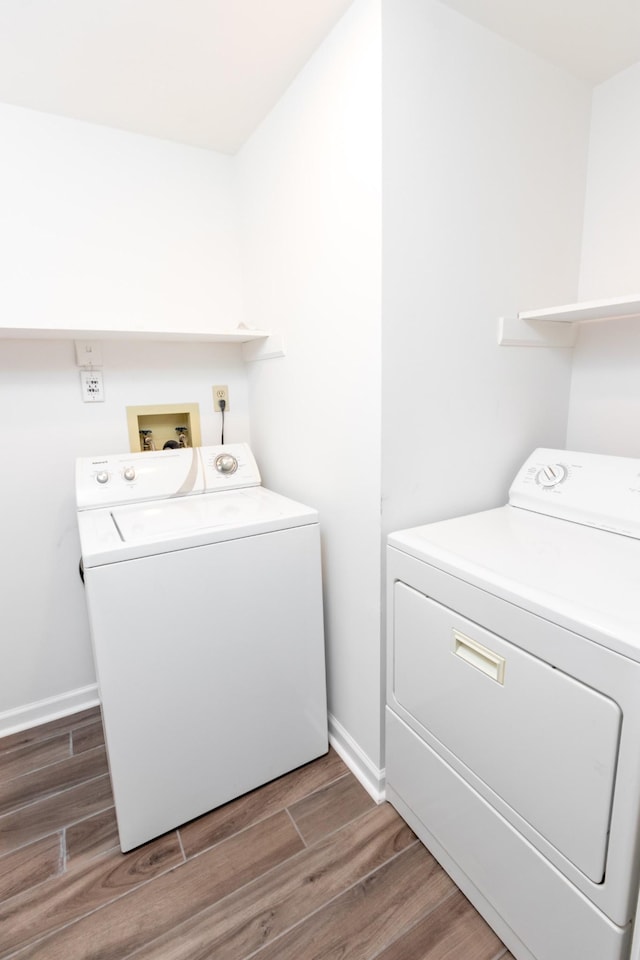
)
(306, 867)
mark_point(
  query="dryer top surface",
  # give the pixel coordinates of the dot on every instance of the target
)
(579, 577)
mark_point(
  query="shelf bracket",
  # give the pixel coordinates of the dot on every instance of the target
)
(518, 332)
(265, 349)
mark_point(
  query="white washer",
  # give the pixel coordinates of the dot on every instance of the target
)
(205, 606)
(513, 703)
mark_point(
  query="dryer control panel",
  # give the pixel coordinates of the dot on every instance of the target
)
(592, 489)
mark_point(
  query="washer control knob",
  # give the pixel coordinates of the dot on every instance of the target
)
(102, 477)
(551, 475)
(129, 473)
(226, 463)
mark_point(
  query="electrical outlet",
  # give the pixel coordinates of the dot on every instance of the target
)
(92, 386)
(221, 392)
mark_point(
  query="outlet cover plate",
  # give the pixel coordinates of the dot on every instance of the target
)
(220, 392)
(92, 386)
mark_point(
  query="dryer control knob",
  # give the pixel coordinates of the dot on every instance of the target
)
(102, 477)
(226, 463)
(551, 475)
(129, 473)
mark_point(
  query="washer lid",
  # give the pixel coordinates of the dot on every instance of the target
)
(581, 578)
(141, 530)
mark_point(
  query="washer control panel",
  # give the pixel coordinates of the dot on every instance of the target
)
(588, 488)
(229, 467)
(112, 480)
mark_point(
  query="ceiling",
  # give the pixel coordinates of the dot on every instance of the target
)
(206, 72)
(203, 72)
(593, 39)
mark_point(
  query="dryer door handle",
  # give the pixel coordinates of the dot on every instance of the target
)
(480, 657)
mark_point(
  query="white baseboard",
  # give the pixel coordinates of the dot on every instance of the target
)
(42, 711)
(370, 776)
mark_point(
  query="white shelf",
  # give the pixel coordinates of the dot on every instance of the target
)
(557, 326)
(612, 309)
(256, 344)
(238, 335)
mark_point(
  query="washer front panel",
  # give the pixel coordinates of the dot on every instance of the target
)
(210, 664)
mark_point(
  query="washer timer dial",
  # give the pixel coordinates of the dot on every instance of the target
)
(226, 463)
(551, 475)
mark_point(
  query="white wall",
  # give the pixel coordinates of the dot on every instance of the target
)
(605, 390)
(96, 226)
(106, 229)
(44, 641)
(484, 170)
(310, 181)
(484, 150)
(610, 264)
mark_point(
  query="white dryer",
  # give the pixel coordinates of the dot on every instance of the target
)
(513, 703)
(205, 606)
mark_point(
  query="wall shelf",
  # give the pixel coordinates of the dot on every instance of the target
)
(256, 344)
(558, 326)
(238, 335)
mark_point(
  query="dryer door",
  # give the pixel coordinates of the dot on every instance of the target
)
(545, 743)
